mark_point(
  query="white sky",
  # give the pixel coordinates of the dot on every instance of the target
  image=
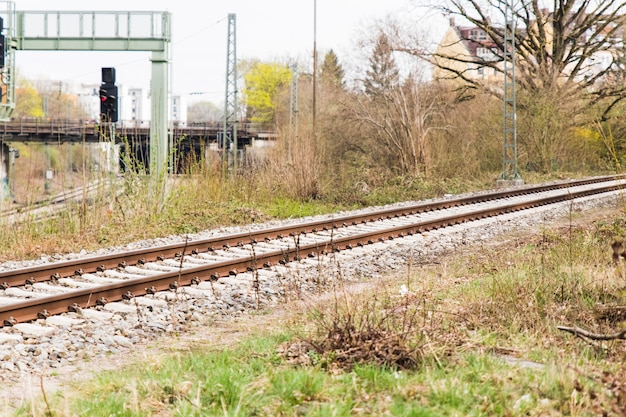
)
(266, 30)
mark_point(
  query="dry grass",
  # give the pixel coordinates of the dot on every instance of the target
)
(502, 300)
(451, 335)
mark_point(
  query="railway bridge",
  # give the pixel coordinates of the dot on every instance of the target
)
(130, 137)
(90, 131)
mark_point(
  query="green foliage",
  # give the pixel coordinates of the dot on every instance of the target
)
(547, 127)
(263, 82)
(282, 207)
(608, 139)
(363, 192)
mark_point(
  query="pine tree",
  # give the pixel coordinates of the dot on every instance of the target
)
(383, 73)
(332, 72)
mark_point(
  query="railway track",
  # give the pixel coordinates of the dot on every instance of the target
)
(93, 282)
(51, 206)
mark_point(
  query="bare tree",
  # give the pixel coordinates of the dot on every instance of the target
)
(575, 47)
(398, 109)
(204, 111)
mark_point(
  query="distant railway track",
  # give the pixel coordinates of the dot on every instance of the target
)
(42, 291)
(48, 207)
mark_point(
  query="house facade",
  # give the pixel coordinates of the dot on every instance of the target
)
(468, 51)
(466, 47)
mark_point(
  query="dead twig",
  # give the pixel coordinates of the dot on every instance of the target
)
(577, 331)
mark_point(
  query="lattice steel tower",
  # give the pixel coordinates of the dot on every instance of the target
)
(7, 69)
(229, 138)
(293, 109)
(509, 125)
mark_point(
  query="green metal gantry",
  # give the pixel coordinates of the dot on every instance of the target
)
(96, 31)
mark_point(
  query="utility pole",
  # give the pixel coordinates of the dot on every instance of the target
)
(510, 175)
(229, 139)
(314, 64)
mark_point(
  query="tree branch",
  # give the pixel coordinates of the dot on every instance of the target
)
(555, 50)
(577, 331)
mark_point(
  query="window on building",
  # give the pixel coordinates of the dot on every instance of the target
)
(477, 34)
(486, 54)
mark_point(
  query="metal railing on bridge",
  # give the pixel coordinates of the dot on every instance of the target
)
(84, 130)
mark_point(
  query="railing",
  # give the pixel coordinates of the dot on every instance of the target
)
(36, 126)
(37, 129)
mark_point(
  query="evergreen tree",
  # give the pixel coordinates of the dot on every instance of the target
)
(383, 73)
(332, 71)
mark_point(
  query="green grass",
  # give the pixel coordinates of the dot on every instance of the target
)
(216, 383)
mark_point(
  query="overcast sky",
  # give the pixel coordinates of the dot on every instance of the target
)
(266, 30)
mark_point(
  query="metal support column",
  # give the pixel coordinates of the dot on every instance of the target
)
(509, 124)
(230, 148)
(5, 163)
(158, 122)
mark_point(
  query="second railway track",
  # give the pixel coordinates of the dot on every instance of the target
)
(42, 291)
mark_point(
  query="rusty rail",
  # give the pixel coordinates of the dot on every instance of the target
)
(45, 306)
(57, 270)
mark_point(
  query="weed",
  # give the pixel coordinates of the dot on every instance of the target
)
(381, 330)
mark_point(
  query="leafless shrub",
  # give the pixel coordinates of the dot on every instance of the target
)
(383, 330)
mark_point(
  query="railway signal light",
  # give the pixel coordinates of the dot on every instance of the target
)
(108, 75)
(108, 103)
(108, 96)
(2, 50)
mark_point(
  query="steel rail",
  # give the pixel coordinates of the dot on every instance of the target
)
(56, 200)
(128, 289)
(56, 270)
